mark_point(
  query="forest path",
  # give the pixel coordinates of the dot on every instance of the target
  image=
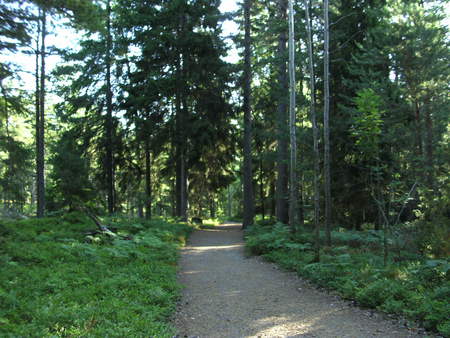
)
(227, 294)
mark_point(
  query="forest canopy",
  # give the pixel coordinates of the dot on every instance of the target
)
(145, 114)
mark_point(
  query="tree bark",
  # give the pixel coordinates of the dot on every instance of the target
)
(40, 124)
(292, 125)
(181, 126)
(261, 189)
(109, 122)
(312, 108)
(212, 207)
(184, 142)
(326, 126)
(148, 181)
(229, 203)
(282, 194)
(429, 158)
(248, 173)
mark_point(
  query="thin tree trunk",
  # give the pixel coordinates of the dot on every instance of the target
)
(429, 159)
(282, 194)
(248, 173)
(183, 191)
(418, 122)
(272, 199)
(261, 189)
(326, 123)
(40, 125)
(292, 124)
(37, 107)
(109, 122)
(229, 206)
(148, 181)
(183, 167)
(181, 126)
(212, 207)
(312, 108)
(178, 146)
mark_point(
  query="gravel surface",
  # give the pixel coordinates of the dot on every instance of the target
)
(230, 295)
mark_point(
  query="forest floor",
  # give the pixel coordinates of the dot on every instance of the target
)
(229, 294)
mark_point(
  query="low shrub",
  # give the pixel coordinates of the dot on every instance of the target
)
(55, 282)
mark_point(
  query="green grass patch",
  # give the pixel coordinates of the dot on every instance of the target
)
(415, 287)
(55, 281)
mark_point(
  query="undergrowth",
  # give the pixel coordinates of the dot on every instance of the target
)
(414, 286)
(56, 281)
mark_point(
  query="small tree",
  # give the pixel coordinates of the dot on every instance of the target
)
(367, 132)
(70, 172)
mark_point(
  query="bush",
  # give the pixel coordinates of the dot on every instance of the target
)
(381, 291)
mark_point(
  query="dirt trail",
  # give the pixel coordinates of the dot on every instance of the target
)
(229, 295)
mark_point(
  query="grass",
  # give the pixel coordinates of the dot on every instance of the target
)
(55, 281)
(416, 287)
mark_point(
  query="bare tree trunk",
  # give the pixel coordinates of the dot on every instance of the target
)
(312, 108)
(418, 122)
(429, 159)
(183, 192)
(109, 122)
(272, 199)
(40, 125)
(37, 106)
(261, 189)
(177, 141)
(148, 181)
(292, 126)
(212, 207)
(229, 201)
(183, 168)
(282, 194)
(326, 126)
(248, 173)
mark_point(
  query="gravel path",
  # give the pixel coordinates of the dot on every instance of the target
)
(230, 295)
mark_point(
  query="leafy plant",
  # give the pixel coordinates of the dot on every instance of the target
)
(55, 283)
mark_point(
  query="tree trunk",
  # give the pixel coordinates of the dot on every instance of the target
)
(282, 194)
(184, 142)
(177, 143)
(292, 124)
(229, 205)
(429, 159)
(312, 108)
(272, 199)
(212, 207)
(326, 126)
(148, 181)
(181, 127)
(37, 109)
(40, 125)
(109, 122)
(418, 122)
(261, 189)
(248, 174)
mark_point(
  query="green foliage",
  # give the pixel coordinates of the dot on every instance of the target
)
(367, 129)
(260, 242)
(14, 171)
(55, 283)
(434, 236)
(416, 288)
(70, 174)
